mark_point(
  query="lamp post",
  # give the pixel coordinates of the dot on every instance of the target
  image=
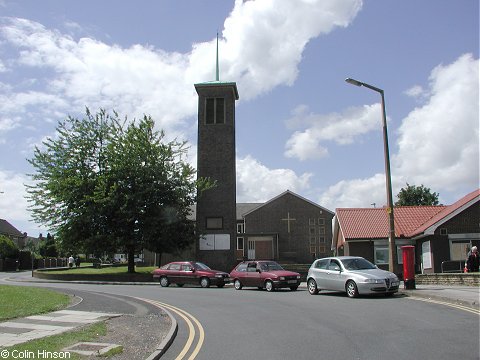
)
(392, 249)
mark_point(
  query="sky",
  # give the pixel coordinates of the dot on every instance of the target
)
(299, 125)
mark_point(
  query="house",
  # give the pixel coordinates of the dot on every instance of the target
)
(13, 233)
(441, 235)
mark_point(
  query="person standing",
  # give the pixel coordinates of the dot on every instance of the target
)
(473, 260)
(71, 260)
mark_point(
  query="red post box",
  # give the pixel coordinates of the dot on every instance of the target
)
(408, 266)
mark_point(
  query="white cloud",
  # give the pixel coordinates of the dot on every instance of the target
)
(142, 79)
(356, 193)
(415, 91)
(439, 142)
(265, 35)
(257, 183)
(341, 128)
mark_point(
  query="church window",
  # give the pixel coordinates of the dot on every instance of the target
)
(215, 111)
(214, 223)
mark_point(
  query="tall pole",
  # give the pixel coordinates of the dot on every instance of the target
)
(392, 248)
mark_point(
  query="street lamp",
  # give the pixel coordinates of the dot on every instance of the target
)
(392, 249)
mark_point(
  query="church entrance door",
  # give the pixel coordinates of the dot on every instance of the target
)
(260, 248)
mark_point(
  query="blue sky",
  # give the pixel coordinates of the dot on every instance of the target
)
(299, 125)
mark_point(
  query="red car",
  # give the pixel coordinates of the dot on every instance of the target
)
(264, 274)
(190, 272)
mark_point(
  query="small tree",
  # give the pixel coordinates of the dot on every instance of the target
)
(8, 249)
(416, 195)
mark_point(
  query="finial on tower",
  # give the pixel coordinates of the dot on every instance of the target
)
(217, 78)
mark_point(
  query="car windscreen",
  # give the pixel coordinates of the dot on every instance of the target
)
(201, 266)
(357, 264)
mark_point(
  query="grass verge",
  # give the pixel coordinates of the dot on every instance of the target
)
(55, 343)
(110, 270)
(21, 301)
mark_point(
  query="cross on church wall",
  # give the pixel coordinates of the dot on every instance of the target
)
(288, 220)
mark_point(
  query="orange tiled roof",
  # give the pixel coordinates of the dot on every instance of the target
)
(371, 223)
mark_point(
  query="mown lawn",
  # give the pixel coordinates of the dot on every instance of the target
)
(111, 270)
(20, 301)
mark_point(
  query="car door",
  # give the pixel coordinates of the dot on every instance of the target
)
(333, 277)
(252, 276)
(319, 273)
(187, 275)
(174, 273)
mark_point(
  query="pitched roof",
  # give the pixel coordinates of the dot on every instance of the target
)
(8, 229)
(446, 214)
(410, 221)
(373, 223)
(291, 193)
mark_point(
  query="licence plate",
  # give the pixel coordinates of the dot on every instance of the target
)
(395, 283)
(291, 281)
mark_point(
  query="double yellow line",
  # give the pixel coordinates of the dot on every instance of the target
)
(456, 306)
(192, 323)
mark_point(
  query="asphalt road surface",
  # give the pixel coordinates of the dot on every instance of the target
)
(255, 324)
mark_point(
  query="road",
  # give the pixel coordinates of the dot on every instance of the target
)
(255, 324)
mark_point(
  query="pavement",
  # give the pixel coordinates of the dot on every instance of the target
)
(21, 330)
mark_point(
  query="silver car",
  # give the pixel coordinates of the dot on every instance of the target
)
(351, 274)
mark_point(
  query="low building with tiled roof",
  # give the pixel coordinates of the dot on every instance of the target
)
(441, 234)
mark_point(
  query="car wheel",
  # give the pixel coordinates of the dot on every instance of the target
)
(237, 284)
(312, 287)
(268, 285)
(180, 285)
(204, 282)
(352, 290)
(164, 282)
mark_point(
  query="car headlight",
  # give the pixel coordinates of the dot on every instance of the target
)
(373, 281)
(281, 278)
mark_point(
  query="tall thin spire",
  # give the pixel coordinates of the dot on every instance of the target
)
(217, 78)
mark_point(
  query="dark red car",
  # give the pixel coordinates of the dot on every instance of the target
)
(190, 272)
(264, 274)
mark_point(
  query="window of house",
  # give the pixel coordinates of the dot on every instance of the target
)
(313, 251)
(312, 231)
(214, 223)
(311, 221)
(443, 231)
(240, 228)
(321, 230)
(215, 111)
(459, 249)
(313, 240)
(381, 255)
(240, 243)
(321, 221)
(321, 239)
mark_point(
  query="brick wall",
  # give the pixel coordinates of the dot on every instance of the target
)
(471, 279)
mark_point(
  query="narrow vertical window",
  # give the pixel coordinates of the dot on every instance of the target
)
(215, 111)
(210, 111)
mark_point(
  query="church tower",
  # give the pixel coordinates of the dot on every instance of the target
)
(216, 207)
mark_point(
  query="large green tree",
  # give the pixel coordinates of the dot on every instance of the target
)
(104, 184)
(413, 195)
